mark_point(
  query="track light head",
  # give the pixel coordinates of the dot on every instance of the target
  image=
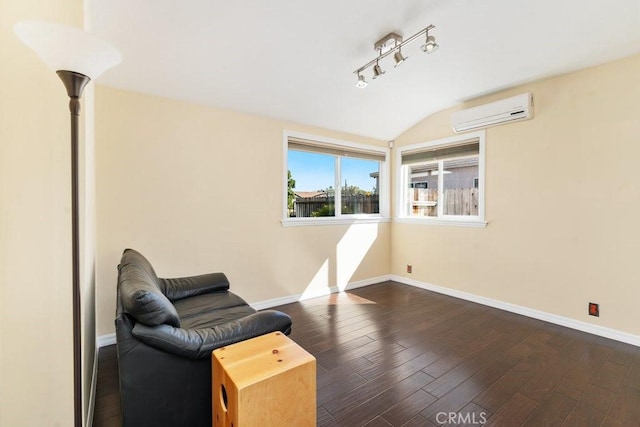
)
(377, 71)
(362, 83)
(399, 58)
(430, 45)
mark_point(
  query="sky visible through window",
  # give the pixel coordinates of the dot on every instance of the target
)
(313, 171)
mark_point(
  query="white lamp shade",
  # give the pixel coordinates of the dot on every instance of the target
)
(67, 48)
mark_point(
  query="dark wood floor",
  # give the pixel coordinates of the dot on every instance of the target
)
(394, 355)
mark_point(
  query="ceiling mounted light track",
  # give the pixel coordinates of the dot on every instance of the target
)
(393, 43)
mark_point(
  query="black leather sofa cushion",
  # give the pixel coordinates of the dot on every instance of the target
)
(184, 287)
(199, 343)
(204, 311)
(140, 294)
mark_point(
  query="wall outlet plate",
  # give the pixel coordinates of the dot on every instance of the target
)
(594, 309)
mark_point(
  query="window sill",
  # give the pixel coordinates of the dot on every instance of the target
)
(301, 222)
(462, 222)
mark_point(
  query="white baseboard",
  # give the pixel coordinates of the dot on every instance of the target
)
(262, 305)
(525, 311)
(92, 394)
(105, 340)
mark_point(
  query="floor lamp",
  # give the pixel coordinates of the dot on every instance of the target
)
(77, 57)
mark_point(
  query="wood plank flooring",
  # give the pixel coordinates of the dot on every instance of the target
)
(395, 355)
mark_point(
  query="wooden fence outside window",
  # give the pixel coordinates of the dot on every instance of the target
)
(457, 201)
(305, 207)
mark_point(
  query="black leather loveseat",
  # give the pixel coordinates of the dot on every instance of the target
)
(165, 332)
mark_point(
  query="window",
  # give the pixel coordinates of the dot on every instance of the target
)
(443, 181)
(318, 169)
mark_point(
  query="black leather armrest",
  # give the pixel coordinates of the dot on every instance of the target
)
(199, 343)
(184, 287)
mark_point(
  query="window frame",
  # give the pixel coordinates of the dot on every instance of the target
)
(339, 218)
(401, 186)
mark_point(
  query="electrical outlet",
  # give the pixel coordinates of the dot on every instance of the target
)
(409, 269)
(594, 309)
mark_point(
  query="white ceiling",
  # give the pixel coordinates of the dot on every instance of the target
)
(294, 59)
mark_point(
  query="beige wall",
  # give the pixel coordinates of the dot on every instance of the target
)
(36, 359)
(562, 202)
(198, 189)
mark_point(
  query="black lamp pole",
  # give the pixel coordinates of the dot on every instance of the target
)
(75, 83)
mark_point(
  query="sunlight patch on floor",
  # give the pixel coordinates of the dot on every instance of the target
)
(339, 298)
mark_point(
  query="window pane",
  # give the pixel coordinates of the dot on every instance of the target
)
(360, 182)
(311, 192)
(422, 191)
(460, 186)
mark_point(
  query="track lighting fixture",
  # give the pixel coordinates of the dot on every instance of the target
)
(399, 58)
(430, 44)
(393, 43)
(377, 71)
(362, 83)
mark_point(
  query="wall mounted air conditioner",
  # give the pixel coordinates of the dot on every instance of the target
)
(507, 110)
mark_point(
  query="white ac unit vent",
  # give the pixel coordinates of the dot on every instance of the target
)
(507, 110)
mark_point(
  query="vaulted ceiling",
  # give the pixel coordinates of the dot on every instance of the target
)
(294, 59)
